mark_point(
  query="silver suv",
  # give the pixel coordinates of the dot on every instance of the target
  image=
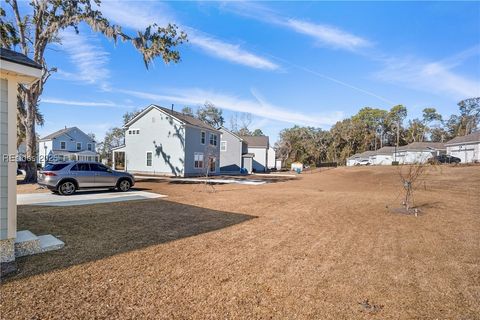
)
(67, 177)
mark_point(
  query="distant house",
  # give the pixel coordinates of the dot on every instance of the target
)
(467, 148)
(258, 146)
(419, 152)
(234, 153)
(160, 141)
(358, 157)
(382, 156)
(67, 144)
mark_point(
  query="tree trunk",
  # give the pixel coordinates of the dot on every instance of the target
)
(30, 141)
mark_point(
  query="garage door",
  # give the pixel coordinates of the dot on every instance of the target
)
(464, 155)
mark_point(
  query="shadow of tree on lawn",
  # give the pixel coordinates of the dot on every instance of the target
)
(94, 232)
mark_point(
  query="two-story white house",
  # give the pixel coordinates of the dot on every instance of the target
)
(67, 144)
(258, 146)
(161, 141)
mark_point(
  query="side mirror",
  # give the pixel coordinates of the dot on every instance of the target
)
(109, 170)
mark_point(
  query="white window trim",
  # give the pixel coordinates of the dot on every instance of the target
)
(203, 136)
(76, 146)
(221, 143)
(91, 146)
(203, 160)
(146, 159)
(65, 145)
(212, 135)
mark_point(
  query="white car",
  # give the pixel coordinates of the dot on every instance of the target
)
(363, 162)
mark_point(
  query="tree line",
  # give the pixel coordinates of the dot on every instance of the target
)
(373, 128)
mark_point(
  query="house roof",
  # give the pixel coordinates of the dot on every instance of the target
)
(385, 150)
(17, 57)
(57, 134)
(232, 133)
(184, 118)
(256, 141)
(472, 137)
(416, 146)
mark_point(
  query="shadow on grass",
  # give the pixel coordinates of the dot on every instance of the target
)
(94, 232)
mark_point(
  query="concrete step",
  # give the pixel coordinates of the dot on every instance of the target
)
(26, 243)
(49, 243)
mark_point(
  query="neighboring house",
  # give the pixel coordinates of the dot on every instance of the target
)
(258, 146)
(271, 158)
(160, 141)
(234, 153)
(419, 152)
(67, 144)
(467, 148)
(15, 68)
(383, 156)
(358, 157)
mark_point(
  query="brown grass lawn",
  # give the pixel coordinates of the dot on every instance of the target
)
(311, 248)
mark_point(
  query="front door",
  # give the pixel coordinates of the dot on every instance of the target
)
(104, 176)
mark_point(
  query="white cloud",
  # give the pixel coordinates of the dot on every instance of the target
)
(433, 77)
(88, 57)
(323, 34)
(230, 52)
(107, 104)
(327, 35)
(257, 106)
(138, 15)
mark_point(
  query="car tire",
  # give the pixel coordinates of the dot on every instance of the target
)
(124, 185)
(67, 188)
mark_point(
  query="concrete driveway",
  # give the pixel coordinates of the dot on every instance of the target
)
(83, 198)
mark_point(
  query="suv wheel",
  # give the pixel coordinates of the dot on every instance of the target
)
(67, 188)
(124, 185)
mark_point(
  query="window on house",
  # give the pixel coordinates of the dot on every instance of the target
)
(79, 146)
(202, 140)
(223, 145)
(138, 131)
(213, 139)
(198, 158)
(129, 131)
(89, 147)
(134, 131)
(149, 159)
(63, 145)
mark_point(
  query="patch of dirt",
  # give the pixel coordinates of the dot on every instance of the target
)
(311, 248)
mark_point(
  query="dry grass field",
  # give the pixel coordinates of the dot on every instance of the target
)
(317, 247)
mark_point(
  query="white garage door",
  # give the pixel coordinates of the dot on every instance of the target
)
(464, 155)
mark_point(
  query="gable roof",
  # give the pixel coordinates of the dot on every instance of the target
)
(472, 137)
(183, 118)
(223, 129)
(65, 131)
(256, 141)
(385, 150)
(418, 146)
(17, 57)
(57, 134)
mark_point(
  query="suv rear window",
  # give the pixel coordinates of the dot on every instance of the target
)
(54, 166)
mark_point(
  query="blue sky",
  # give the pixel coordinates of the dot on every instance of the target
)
(306, 63)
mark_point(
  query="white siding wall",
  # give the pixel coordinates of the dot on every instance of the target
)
(468, 152)
(161, 135)
(3, 164)
(260, 158)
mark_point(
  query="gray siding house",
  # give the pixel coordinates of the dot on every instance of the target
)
(160, 141)
(67, 144)
(234, 154)
(15, 68)
(258, 146)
